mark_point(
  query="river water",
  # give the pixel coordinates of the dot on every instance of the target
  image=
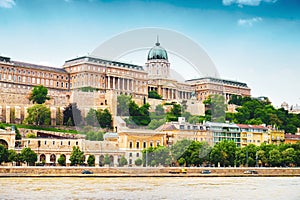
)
(151, 188)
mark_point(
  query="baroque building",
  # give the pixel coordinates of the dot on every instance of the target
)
(95, 82)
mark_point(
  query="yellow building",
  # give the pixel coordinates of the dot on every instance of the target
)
(176, 131)
(133, 141)
(276, 136)
(291, 139)
(253, 134)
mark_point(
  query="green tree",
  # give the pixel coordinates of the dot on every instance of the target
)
(161, 155)
(123, 161)
(12, 156)
(104, 118)
(3, 154)
(275, 158)
(155, 123)
(77, 156)
(29, 156)
(196, 154)
(91, 117)
(91, 160)
(138, 162)
(153, 94)
(174, 113)
(59, 117)
(289, 156)
(261, 156)
(38, 115)
(94, 136)
(236, 100)
(216, 104)
(123, 105)
(139, 115)
(178, 149)
(159, 110)
(62, 160)
(181, 161)
(106, 160)
(223, 153)
(18, 137)
(186, 115)
(72, 115)
(39, 94)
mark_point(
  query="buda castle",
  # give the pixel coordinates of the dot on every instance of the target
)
(94, 82)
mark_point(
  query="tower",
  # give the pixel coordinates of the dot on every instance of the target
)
(157, 64)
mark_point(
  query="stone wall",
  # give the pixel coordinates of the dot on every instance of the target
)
(142, 171)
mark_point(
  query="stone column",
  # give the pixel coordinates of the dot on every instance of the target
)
(159, 91)
(97, 159)
(25, 112)
(114, 79)
(116, 160)
(108, 82)
(118, 86)
(53, 116)
(132, 85)
(7, 114)
(17, 114)
(123, 82)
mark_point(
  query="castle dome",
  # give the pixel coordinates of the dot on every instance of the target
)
(157, 52)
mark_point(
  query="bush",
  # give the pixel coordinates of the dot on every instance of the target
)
(138, 162)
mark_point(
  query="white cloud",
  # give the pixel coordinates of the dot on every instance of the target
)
(249, 22)
(7, 3)
(242, 3)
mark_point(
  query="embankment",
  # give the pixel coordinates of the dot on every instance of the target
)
(141, 172)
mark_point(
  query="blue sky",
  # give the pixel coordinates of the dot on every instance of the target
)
(253, 41)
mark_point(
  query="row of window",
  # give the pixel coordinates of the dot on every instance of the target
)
(137, 154)
(102, 69)
(137, 144)
(54, 142)
(30, 80)
(33, 73)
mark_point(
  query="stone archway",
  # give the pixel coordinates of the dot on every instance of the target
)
(101, 161)
(4, 143)
(43, 158)
(53, 158)
(111, 159)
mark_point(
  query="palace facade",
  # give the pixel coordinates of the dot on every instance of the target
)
(95, 82)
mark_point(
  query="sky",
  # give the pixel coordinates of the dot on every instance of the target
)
(251, 41)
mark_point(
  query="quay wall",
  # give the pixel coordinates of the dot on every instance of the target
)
(142, 171)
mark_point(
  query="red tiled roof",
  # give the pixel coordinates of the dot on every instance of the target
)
(292, 136)
(251, 126)
(167, 127)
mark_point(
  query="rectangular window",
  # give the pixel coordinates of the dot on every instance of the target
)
(130, 145)
(144, 145)
(69, 143)
(45, 142)
(137, 145)
(53, 142)
(137, 154)
(130, 154)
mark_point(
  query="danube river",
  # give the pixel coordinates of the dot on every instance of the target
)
(151, 188)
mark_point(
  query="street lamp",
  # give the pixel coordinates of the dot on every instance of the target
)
(256, 159)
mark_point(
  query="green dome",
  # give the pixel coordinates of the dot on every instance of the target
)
(157, 52)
